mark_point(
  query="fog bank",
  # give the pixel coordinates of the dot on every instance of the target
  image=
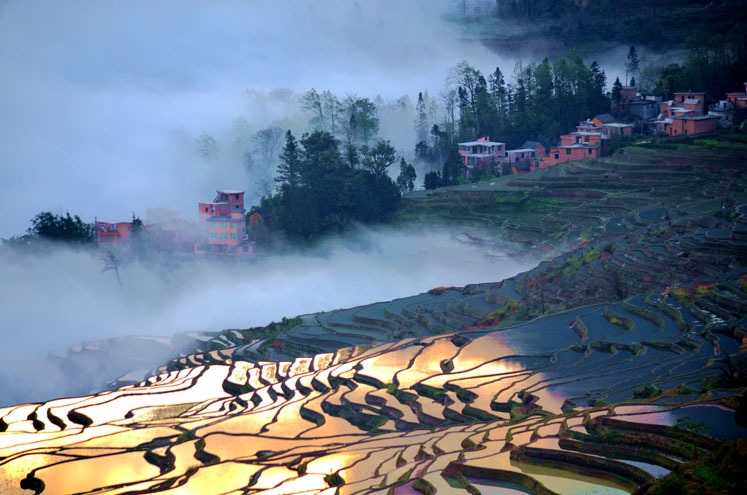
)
(63, 297)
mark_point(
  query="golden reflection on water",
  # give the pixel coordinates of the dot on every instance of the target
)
(218, 478)
(87, 474)
(334, 462)
(14, 470)
(281, 481)
(481, 350)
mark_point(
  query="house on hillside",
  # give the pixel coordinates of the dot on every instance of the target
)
(685, 115)
(688, 125)
(223, 225)
(522, 160)
(618, 130)
(644, 107)
(689, 103)
(586, 142)
(636, 104)
(112, 232)
(483, 155)
(603, 119)
(724, 109)
(739, 98)
(258, 217)
(539, 148)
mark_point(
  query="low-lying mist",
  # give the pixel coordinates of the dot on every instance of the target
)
(63, 297)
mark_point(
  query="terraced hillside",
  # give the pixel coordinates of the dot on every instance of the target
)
(618, 360)
(576, 400)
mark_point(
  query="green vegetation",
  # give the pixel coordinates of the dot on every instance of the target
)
(720, 473)
(322, 192)
(713, 32)
(541, 102)
(47, 226)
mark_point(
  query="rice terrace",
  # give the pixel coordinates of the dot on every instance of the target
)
(616, 365)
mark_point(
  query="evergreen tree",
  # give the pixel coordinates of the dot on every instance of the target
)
(600, 102)
(452, 168)
(421, 122)
(498, 100)
(432, 180)
(632, 64)
(289, 170)
(406, 177)
(616, 93)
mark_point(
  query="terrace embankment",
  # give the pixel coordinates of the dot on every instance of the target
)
(619, 359)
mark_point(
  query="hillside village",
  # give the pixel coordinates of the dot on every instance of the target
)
(224, 227)
(686, 114)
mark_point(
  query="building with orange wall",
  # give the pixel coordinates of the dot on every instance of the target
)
(689, 125)
(112, 232)
(223, 224)
(586, 143)
(685, 115)
(738, 98)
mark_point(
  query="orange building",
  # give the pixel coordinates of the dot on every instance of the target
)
(690, 104)
(586, 142)
(689, 125)
(685, 115)
(739, 98)
(223, 224)
(112, 232)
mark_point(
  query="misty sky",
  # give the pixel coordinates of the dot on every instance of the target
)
(101, 101)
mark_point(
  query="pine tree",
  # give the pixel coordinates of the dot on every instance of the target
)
(616, 93)
(421, 124)
(632, 65)
(289, 170)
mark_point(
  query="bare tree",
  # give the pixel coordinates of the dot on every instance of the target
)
(111, 263)
(449, 98)
(267, 143)
(326, 109)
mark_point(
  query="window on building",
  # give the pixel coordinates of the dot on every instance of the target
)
(233, 237)
(213, 235)
(223, 237)
(223, 225)
(233, 226)
(567, 151)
